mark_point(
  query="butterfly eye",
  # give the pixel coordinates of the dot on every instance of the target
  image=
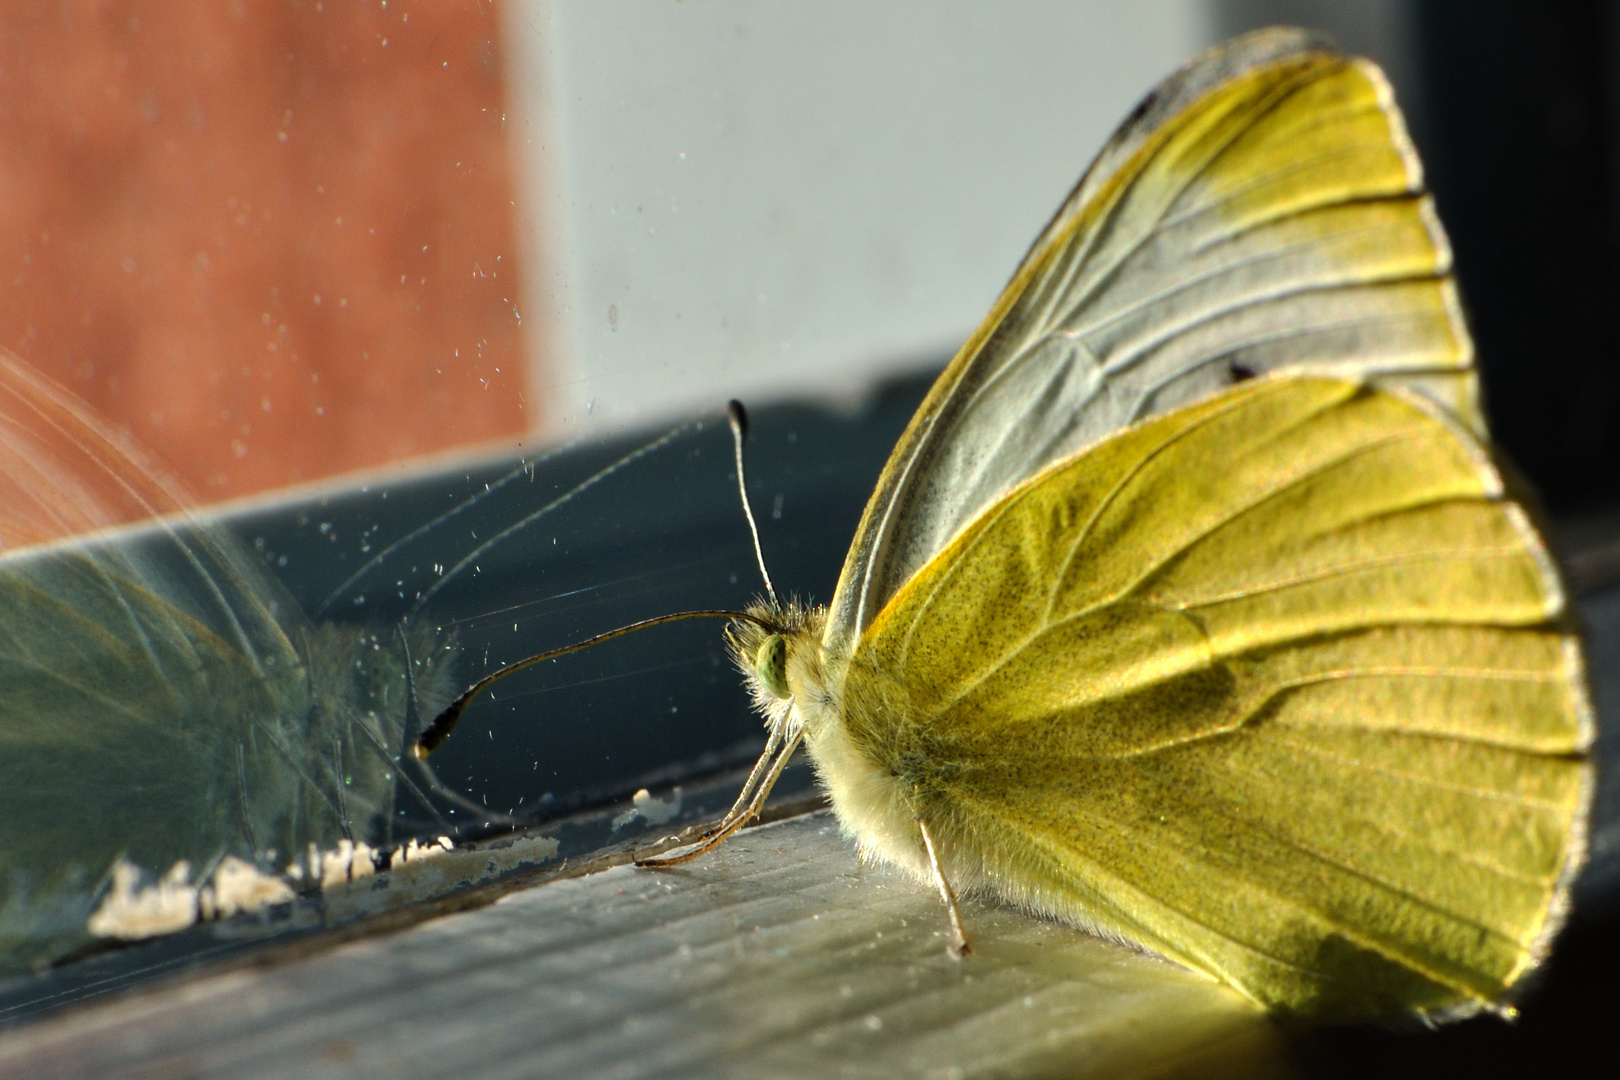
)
(770, 664)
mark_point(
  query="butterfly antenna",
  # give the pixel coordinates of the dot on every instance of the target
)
(739, 434)
(439, 730)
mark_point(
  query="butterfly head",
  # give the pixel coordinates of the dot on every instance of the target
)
(777, 654)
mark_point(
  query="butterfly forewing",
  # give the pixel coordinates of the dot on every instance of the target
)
(1278, 221)
(1276, 684)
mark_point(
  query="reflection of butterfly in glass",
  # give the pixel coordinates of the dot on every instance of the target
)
(162, 699)
(1190, 607)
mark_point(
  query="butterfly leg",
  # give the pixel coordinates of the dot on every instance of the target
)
(959, 943)
(747, 792)
(714, 837)
(730, 823)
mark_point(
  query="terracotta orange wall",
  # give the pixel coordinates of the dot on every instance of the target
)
(273, 240)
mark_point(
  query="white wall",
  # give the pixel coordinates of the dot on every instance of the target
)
(749, 199)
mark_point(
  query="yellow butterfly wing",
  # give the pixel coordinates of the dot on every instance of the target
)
(1276, 684)
(1263, 209)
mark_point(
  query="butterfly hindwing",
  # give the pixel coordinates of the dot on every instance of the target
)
(1276, 684)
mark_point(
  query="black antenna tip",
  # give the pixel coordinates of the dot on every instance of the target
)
(438, 731)
(738, 417)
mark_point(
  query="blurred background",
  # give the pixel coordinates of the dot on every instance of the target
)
(271, 240)
(284, 241)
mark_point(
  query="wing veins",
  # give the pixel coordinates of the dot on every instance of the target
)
(1505, 798)
(1129, 358)
(1294, 213)
(1422, 839)
(1106, 271)
(1258, 258)
(1329, 573)
(1283, 899)
(1052, 391)
(1148, 572)
(1337, 152)
(1316, 471)
(1311, 851)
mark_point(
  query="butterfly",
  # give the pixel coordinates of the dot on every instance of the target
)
(165, 705)
(1191, 608)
